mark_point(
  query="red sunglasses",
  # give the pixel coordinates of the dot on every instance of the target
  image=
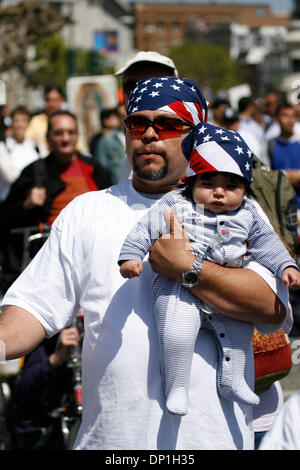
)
(165, 127)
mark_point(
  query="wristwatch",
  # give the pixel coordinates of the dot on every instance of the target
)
(191, 277)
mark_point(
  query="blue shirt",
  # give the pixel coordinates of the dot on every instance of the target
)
(286, 156)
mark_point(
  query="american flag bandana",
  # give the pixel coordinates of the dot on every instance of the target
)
(180, 96)
(210, 148)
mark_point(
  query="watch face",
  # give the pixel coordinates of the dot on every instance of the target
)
(191, 278)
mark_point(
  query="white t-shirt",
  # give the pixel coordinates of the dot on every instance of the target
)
(123, 402)
(285, 432)
(269, 406)
(14, 157)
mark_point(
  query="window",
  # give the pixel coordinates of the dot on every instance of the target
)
(261, 13)
(176, 27)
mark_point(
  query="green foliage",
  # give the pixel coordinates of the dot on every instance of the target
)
(207, 64)
(78, 61)
(21, 26)
(52, 51)
(59, 62)
(87, 62)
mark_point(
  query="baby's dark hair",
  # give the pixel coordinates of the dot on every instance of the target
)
(187, 191)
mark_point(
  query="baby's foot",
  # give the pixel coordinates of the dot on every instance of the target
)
(177, 402)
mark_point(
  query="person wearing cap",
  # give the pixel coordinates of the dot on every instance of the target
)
(144, 64)
(220, 220)
(122, 389)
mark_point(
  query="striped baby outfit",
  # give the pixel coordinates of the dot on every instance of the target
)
(224, 239)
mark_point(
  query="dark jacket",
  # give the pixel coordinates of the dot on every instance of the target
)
(44, 173)
(39, 390)
(40, 173)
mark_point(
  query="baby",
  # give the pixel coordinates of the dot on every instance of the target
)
(223, 225)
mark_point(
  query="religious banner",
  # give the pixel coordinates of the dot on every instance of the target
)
(87, 97)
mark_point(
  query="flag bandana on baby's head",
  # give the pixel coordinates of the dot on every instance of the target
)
(180, 96)
(210, 148)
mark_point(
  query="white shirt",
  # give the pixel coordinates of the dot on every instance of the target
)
(14, 157)
(274, 131)
(258, 148)
(285, 432)
(123, 402)
(250, 125)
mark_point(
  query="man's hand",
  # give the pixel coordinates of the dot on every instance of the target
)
(238, 293)
(36, 197)
(69, 337)
(171, 254)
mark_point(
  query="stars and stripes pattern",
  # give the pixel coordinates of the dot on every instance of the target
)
(179, 96)
(211, 148)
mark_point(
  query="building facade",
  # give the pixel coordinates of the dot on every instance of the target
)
(261, 41)
(253, 35)
(161, 25)
(291, 82)
(104, 26)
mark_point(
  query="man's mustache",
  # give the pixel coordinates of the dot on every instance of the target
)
(149, 149)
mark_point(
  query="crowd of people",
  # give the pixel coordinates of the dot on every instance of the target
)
(146, 383)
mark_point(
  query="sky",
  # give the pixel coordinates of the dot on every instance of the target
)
(276, 5)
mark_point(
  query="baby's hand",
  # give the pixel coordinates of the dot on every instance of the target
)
(291, 278)
(131, 268)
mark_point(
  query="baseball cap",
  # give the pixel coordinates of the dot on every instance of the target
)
(149, 56)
